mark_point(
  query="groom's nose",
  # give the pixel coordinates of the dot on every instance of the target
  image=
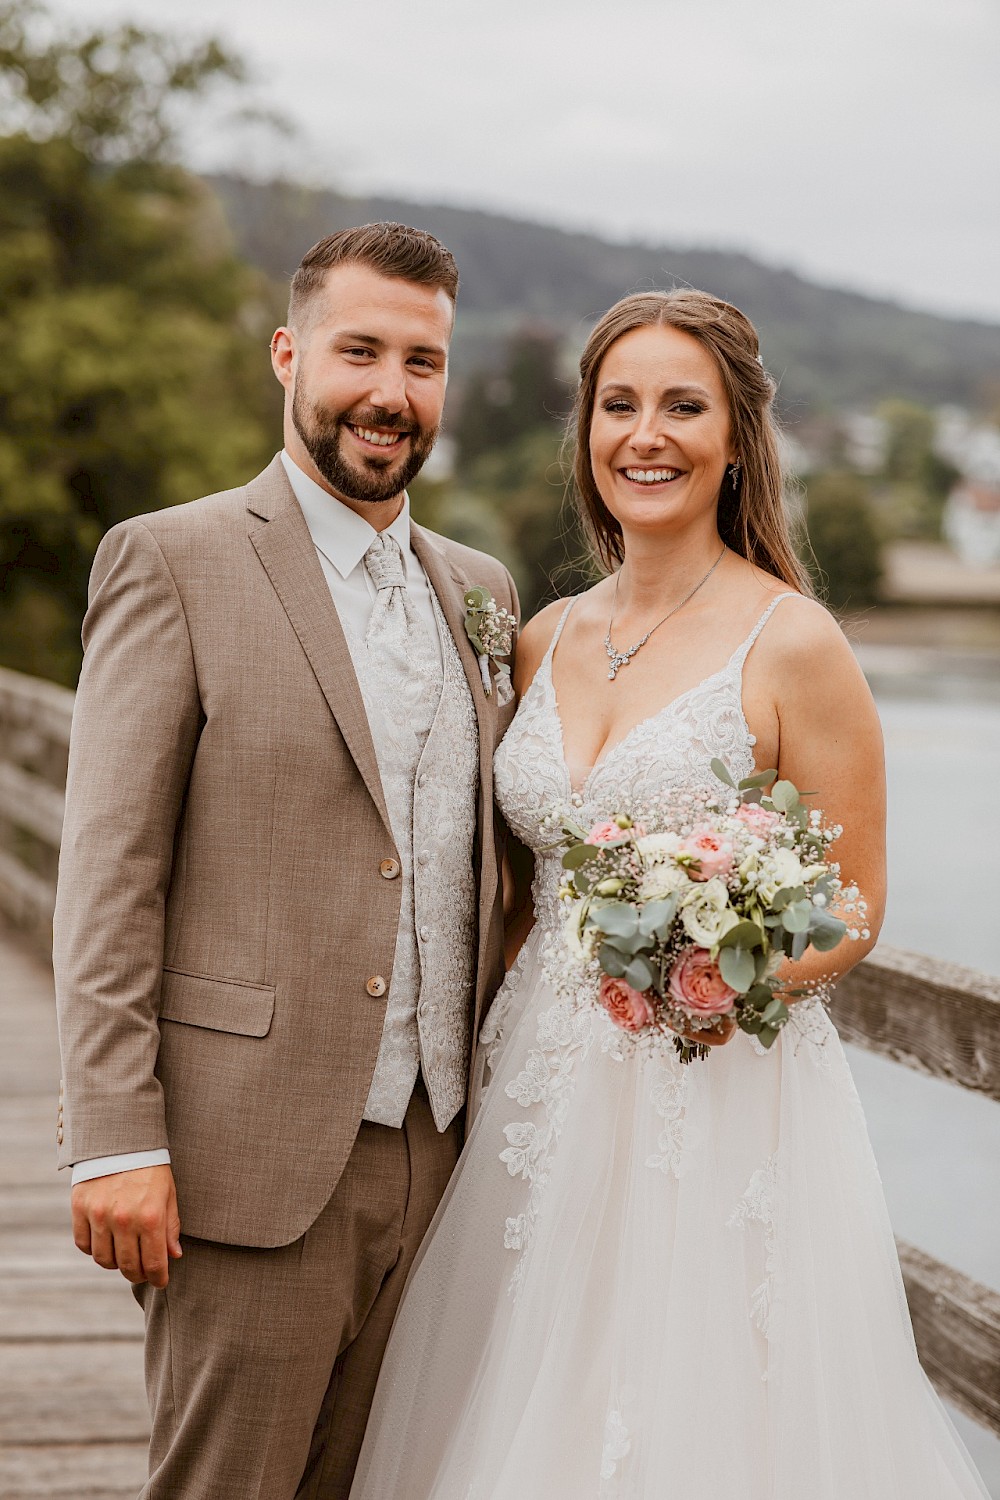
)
(388, 387)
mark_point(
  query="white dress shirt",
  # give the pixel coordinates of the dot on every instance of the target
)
(341, 538)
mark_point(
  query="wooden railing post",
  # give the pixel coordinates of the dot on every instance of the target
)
(35, 721)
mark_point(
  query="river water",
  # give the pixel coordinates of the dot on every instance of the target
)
(938, 1146)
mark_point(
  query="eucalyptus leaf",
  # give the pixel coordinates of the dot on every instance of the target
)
(784, 796)
(617, 918)
(743, 935)
(658, 917)
(722, 772)
(476, 598)
(639, 973)
(759, 996)
(762, 778)
(776, 1013)
(827, 936)
(626, 946)
(578, 855)
(736, 966)
(611, 961)
(800, 942)
(796, 916)
(786, 895)
(767, 1035)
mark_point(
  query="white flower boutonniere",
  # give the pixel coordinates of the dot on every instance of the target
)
(491, 630)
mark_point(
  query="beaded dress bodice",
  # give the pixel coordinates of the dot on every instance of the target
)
(672, 747)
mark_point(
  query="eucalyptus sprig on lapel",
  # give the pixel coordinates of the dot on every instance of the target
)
(490, 628)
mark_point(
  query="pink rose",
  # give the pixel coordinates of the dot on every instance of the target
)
(759, 820)
(713, 853)
(695, 982)
(607, 832)
(627, 1007)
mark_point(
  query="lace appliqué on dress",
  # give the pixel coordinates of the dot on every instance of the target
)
(546, 1082)
(617, 1445)
(758, 1206)
(669, 1097)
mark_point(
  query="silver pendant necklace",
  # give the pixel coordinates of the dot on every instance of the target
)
(619, 659)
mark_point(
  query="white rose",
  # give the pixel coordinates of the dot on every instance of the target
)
(661, 881)
(782, 868)
(656, 847)
(706, 913)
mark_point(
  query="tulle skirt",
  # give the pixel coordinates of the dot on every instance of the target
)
(658, 1282)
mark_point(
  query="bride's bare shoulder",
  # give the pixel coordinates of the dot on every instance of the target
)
(534, 640)
(536, 637)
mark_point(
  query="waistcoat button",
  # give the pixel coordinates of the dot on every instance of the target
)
(389, 869)
(376, 986)
(424, 857)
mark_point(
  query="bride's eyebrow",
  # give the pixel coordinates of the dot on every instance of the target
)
(671, 393)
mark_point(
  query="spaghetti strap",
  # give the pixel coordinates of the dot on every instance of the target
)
(558, 631)
(739, 656)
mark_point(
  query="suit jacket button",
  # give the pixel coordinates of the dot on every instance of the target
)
(389, 869)
(376, 986)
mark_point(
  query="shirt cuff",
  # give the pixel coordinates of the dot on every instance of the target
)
(103, 1166)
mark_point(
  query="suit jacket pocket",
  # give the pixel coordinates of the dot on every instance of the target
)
(217, 1004)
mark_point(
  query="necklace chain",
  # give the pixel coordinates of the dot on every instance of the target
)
(619, 659)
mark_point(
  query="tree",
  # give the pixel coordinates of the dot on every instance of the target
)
(844, 540)
(915, 479)
(133, 373)
(497, 409)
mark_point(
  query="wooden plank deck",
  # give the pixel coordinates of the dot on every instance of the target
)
(73, 1419)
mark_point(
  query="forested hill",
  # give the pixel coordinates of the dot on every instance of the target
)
(827, 347)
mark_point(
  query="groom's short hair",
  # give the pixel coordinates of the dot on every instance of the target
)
(389, 248)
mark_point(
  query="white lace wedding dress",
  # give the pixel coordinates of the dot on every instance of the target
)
(645, 1280)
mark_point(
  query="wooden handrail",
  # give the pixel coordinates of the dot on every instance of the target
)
(937, 1018)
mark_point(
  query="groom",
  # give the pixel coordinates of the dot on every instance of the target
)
(279, 916)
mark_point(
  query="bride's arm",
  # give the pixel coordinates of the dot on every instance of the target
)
(829, 743)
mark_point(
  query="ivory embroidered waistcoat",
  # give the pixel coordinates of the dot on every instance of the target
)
(427, 746)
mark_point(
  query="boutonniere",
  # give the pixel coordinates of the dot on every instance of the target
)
(490, 628)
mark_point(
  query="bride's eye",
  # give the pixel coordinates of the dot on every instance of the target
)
(688, 408)
(617, 405)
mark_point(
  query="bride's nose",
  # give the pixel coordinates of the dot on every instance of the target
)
(647, 436)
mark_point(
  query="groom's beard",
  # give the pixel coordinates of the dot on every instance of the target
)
(375, 478)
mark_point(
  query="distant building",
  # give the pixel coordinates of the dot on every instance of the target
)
(971, 521)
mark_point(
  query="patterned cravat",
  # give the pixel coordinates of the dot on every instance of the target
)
(405, 658)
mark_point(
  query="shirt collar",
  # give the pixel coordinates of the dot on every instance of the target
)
(337, 531)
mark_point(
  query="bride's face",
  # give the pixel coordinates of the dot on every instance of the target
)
(660, 434)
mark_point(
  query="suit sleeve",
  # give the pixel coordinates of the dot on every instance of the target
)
(135, 728)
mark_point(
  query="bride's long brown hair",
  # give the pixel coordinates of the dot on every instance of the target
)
(752, 518)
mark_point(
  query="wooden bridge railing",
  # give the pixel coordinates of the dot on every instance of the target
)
(934, 1017)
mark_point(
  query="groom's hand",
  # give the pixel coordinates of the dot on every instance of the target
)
(128, 1221)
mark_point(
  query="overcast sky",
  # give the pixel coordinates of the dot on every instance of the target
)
(857, 141)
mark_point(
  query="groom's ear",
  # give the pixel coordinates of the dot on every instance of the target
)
(283, 356)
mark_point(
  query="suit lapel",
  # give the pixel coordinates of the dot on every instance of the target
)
(281, 539)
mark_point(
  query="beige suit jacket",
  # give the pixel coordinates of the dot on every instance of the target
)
(227, 907)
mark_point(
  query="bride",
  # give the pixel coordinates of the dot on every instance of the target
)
(647, 1280)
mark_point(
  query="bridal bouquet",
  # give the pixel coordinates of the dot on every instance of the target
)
(679, 920)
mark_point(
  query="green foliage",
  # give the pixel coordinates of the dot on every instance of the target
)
(915, 480)
(845, 540)
(133, 375)
(498, 408)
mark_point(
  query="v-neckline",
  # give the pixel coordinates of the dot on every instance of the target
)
(641, 724)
